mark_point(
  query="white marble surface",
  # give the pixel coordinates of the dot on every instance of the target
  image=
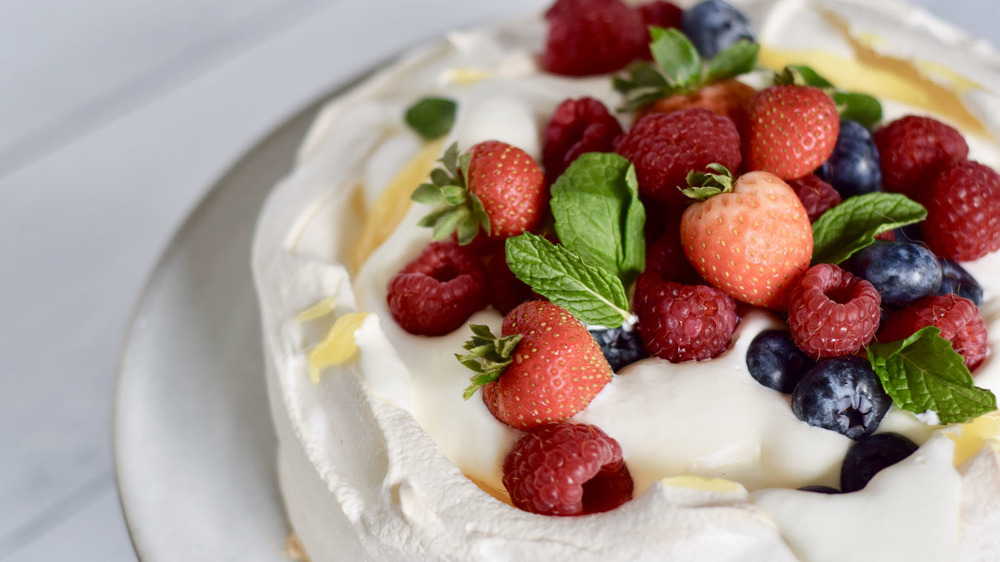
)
(115, 117)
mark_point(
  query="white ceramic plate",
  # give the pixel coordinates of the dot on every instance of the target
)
(194, 445)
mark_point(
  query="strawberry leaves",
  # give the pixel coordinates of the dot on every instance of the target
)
(456, 208)
(853, 225)
(863, 108)
(488, 356)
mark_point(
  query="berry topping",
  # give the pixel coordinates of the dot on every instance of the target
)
(665, 147)
(963, 211)
(816, 195)
(793, 130)
(506, 290)
(853, 168)
(661, 14)
(621, 346)
(576, 127)
(665, 257)
(683, 322)
(566, 469)
(955, 280)
(957, 318)
(911, 146)
(820, 489)
(842, 394)
(775, 362)
(870, 455)
(714, 25)
(728, 98)
(437, 292)
(592, 37)
(832, 312)
(750, 238)
(545, 368)
(900, 271)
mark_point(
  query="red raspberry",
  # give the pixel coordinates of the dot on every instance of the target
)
(576, 127)
(911, 146)
(661, 14)
(889, 235)
(683, 322)
(592, 37)
(566, 469)
(665, 257)
(665, 147)
(963, 211)
(816, 195)
(437, 292)
(957, 318)
(832, 312)
(506, 290)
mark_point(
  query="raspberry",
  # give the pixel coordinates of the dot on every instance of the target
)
(665, 257)
(683, 322)
(957, 318)
(816, 195)
(911, 146)
(566, 469)
(665, 147)
(832, 312)
(506, 290)
(661, 14)
(576, 127)
(592, 37)
(963, 211)
(437, 292)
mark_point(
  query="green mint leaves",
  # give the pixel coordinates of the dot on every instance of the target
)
(854, 224)
(456, 209)
(678, 69)
(598, 215)
(431, 118)
(590, 293)
(855, 106)
(923, 372)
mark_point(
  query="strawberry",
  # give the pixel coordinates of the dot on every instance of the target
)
(792, 131)
(750, 238)
(494, 186)
(545, 368)
(729, 98)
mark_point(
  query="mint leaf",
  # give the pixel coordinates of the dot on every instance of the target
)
(854, 224)
(589, 293)
(598, 215)
(862, 108)
(802, 75)
(923, 372)
(676, 56)
(432, 118)
(738, 58)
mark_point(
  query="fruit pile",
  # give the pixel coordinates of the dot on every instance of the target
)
(717, 198)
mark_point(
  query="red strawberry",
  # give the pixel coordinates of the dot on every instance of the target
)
(545, 368)
(912, 146)
(752, 239)
(792, 130)
(665, 147)
(963, 211)
(496, 187)
(729, 98)
(592, 37)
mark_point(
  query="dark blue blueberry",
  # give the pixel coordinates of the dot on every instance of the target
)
(620, 346)
(870, 455)
(776, 362)
(901, 272)
(820, 489)
(955, 280)
(842, 394)
(853, 168)
(909, 233)
(714, 25)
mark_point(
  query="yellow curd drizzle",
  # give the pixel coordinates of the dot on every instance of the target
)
(338, 347)
(971, 437)
(704, 483)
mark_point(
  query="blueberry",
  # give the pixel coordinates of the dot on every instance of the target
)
(853, 168)
(909, 233)
(956, 280)
(842, 394)
(901, 272)
(714, 25)
(776, 362)
(870, 455)
(620, 346)
(820, 489)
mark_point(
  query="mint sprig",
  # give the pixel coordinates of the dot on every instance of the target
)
(677, 68)
(431, 117)
(598, 215)
(853, 225)
(924, 373)
(456, 208)
(588, 292)
(863, 108)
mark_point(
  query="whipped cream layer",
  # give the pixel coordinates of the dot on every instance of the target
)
(382, 458)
